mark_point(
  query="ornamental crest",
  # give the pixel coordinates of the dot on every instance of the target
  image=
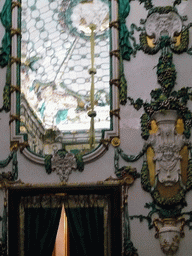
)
(164, 27)
(63, 165)
(158, 24)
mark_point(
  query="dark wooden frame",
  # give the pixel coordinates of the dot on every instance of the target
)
(113, 190)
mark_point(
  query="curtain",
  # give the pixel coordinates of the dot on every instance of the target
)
(86, 231)
(39, 221)
(87, 217)
(41, 226)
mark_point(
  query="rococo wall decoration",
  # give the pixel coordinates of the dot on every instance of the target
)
(166, 121)
(165, 125)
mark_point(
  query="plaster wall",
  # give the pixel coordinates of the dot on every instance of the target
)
(141, 78)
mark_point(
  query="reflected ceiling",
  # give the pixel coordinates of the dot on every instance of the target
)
(56, 57)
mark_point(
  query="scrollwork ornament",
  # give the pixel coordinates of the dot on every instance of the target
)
(126, 173)
(164, 28)
(63, 165)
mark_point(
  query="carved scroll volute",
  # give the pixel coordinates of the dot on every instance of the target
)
(158, 25)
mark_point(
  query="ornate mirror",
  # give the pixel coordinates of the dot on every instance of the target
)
(62, 61)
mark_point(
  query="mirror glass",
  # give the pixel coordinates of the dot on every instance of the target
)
(59, 66)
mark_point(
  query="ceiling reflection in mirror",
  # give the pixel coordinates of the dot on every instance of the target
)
(55, 77)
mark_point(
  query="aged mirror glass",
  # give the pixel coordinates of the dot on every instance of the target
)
(59, 64)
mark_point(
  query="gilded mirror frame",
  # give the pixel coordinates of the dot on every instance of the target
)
(19, 140)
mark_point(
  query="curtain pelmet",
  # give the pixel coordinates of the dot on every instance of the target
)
(42, 201)
(83, 201)
(69, 202)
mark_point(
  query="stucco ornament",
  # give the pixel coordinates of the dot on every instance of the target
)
(63, 165)
(115, 142)
(158, 25)
(169, 232)
(167, 143)
(164, 27)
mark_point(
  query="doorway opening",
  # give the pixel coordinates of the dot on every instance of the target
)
(61, 247)
(93, 215)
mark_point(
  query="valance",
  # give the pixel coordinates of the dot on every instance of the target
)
(79, 208)
(69, 201)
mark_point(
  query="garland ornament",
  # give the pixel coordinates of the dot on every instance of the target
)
(126, 172)
(148, 3)
(125, 48)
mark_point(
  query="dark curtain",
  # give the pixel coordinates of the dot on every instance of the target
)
(86, 227)
(41, 225)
